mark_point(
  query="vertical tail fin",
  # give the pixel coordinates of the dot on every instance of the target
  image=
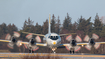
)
(49, 29)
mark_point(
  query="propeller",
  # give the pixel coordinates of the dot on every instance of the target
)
(13, 40)
(31, 45)
(91, 41)
(73, 43)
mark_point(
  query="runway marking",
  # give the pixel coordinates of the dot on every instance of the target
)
(41, 54)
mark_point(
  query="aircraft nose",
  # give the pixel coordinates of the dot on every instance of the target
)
(54, 42)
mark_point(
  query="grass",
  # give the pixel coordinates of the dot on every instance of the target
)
(1, 51)
(37, 56)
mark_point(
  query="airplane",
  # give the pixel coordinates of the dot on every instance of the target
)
(53, 41)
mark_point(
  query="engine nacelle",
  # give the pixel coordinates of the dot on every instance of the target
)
(73, 43)
(31, 45)
(91, 41)
(32, 41)
(13, 40)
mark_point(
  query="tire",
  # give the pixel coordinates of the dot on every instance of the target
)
(73, 52)
(29, 51)
(70, 51)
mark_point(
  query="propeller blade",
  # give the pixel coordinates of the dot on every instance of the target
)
(97, 46)
(34, 48)
(69, 38)
(77, 48)
(26, 46)
(16, 34)
(86, 38)
(78, 39)
(29, 36)
(68, 47)
(88, 47)
(19, 43)
(94, 36)
(10, 45)
(8, 37)
(38, 39)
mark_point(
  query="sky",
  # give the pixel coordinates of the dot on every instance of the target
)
(17, 11)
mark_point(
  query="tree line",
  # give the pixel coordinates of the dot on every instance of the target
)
(81, 27)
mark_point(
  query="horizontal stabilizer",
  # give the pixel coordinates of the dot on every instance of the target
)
(66, 34)
(34, 34)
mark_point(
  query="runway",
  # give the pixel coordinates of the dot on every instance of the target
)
(60, 55)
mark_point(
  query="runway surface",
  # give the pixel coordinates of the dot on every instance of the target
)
(60, 55)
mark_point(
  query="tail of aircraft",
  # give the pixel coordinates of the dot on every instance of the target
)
(49, 29)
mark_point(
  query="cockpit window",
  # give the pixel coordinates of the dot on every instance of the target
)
(53, 37)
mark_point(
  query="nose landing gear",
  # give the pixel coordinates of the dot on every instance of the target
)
(53, 49)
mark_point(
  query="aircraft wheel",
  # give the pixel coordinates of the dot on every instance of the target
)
(70, 51)
(29, 51)
(32, 51)
(73, 52)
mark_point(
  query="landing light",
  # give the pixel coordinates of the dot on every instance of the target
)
(82, 45)
(54, 42)
(20, 43)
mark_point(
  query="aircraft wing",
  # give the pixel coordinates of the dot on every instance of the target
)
(41, 44)
(80, 44)
(66, 34)
(100, 42)
(3, 40)
(33, 34)
(38, 44)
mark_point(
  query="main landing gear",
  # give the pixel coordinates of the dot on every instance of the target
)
(72, 50)
(31, 51)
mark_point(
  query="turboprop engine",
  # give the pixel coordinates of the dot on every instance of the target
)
(32, 42)
(13, 40)
(91, 41)
(73, 44)
(32, 46)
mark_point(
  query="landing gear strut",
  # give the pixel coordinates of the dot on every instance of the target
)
(30, 50)
(71, 50)
(53, 49)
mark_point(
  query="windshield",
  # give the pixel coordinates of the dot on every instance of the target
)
(53, 37)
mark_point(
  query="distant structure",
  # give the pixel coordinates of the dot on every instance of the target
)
(97, 17)
(102, 19)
